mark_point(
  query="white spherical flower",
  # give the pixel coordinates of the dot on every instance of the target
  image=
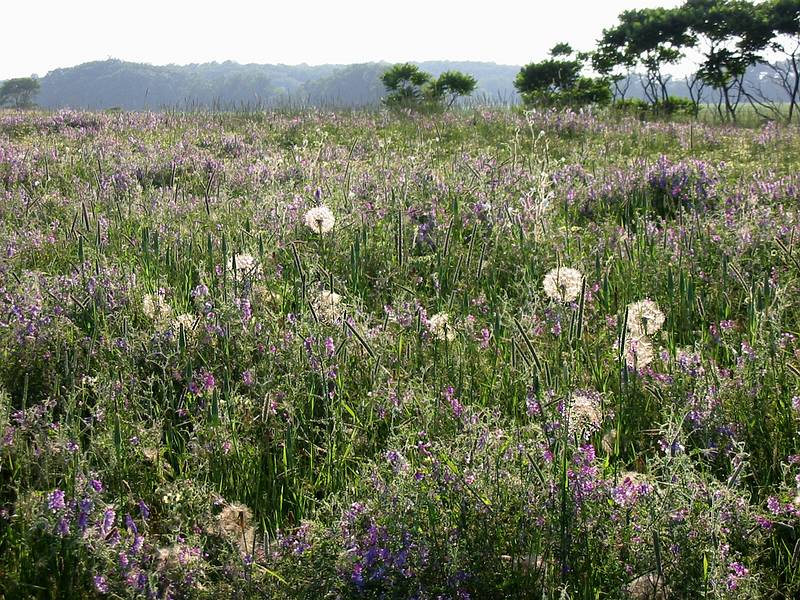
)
(440, 327)
(563, 284)
(644, 317)
(328, 306)
(638, 351)
(234, 523)
(320, 219)
(234, 518)
(244, 264)
(155, 307)
(585, 415)
(649, 586)
(186, 321)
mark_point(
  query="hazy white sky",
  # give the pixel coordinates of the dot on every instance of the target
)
(41, 35)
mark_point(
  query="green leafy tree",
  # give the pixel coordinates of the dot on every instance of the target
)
(19, 92)
(561, 49)
(408, 86)
(404, 82)
(610, 63)
(730, 36)
(451, 85)
(557, 81)
(651, 39)
(783, 18)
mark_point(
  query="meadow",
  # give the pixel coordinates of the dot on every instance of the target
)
(476, 354)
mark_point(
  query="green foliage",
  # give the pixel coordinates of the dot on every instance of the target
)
(675, 105)
(404, 82)
(672, 106)
(730, 35)
(451, 85)
(409, 87)
(633, 106)
(561, 49)
(19, 93)
(558, 82)
(782, 15)
(647, 38)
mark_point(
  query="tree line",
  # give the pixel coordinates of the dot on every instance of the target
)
(724, 37)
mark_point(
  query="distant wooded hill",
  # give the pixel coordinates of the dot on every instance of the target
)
(134, 86)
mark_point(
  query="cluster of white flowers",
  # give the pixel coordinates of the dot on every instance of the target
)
(328, 306)
(155, 307)
(320, 219)
(171, 498)
(440, 327)
(563, 284)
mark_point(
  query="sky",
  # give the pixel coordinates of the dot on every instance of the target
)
(41, 35)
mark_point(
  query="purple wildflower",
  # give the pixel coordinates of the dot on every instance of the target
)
(55, 501)
(144, 510)
(100, 584)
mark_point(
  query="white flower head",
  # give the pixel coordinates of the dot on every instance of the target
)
(585, 415)
(563, 284)
(155, 307)
(644, 317)
(187, 321)
(234, 520)
(649, 586)
(638, 351)
(320, 219)
(175, 557)
(328, 306)
(440, 327)
(244, 264)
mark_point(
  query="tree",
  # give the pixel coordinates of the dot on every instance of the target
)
(783, 18)
(558, 81)
(408, 86)
(651, 38)
(19, 92)
(561, 49)
(450, 85)
(404, 82)
(730, 35)
(610, 63)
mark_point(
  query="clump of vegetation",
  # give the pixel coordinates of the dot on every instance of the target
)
(558, 81)
(19, 92)
(409, 87)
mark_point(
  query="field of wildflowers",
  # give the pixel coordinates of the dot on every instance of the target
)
(484, 354)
